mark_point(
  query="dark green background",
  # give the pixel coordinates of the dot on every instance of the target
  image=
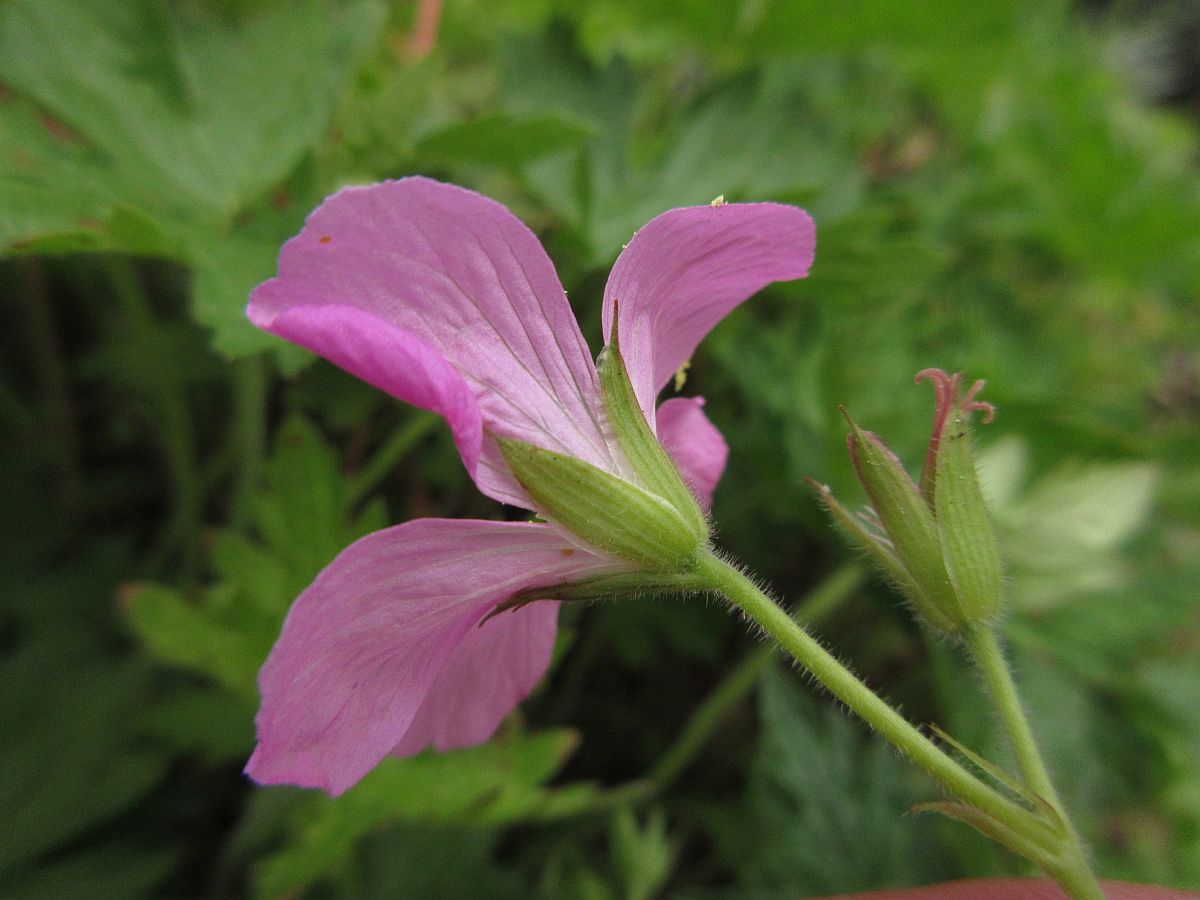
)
(1005, 189)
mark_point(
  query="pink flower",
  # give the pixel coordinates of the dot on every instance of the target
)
(444, 299)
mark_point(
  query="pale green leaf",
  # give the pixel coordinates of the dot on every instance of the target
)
(1062, 536)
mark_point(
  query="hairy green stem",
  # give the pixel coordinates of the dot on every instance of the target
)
(838, 680)
(707, 717)
(1074, 875)
(997, 678)
(704, 721)
(1050, 844)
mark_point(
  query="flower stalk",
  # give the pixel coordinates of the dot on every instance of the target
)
(744, 594)
(935, 541)
(1072, 869)
(1043, 838)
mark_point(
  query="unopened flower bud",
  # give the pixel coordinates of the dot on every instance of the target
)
(934, 541)
(964, 526)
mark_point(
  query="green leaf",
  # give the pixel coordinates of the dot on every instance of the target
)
(302, 515)
(832, 804)
(644, 856)
(492, 784)
(303, 519)
(1097, 506)
(184, 634)
(1063, 536)
(226, 266)
(641, 163)
(177, 108)
(435, 861)
(149, 128)
(116, 872)
(69, 762)
(1102, 635)
(55, 196)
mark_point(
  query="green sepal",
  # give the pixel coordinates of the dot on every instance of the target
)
(884, 556)
(606, 587)
(910, 525)
(605, 511)
(997, 773)
(650, 462)
(988, 825)
(969, 548)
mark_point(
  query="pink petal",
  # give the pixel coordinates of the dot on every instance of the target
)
(367, 643)
(417, 260)
(397, 361)
(685, 270)
(694, 443)
(495, 667)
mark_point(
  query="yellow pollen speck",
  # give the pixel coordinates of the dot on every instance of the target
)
(681, 375)
(719, 202)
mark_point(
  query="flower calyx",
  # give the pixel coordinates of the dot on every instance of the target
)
(653, 521)
(604, 510)
(606, 587)
(933, 540)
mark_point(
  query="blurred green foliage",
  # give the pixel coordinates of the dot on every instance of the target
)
(991, 196)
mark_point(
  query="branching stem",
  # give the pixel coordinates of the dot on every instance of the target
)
(1049, 843)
